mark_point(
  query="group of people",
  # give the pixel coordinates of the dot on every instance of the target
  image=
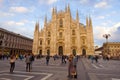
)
(29, 59)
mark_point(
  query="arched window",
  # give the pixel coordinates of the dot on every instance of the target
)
(40, 42)
(48, 42)
(49, 34)
(40, 52)
(61, 23)
(73, 32)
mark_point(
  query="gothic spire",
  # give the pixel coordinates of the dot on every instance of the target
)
(37, 26)
(87, 22)
(68, 8)
(77, 16)
(45, 20)
(65, 8)
(90, 22)
(53, 10)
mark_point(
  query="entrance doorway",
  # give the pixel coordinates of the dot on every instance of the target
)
(74, 51)
(40, 52)
(60, 50)
(84, 52)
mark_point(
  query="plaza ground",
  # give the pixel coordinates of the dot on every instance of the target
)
(103, 70)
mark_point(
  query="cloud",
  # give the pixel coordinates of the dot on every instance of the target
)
(20, 27)
(102, 4)
(113, 31)
(13, 23)
(1, 1)
(114, 28)
(19, 9)
(6, 14)
(101, 17)
(47, 2)
(19, 23)
(84, 1)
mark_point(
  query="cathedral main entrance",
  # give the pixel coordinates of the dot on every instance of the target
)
(83, 52)
(74, 51)
(60, 50)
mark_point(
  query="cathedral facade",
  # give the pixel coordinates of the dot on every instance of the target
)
(64, 35)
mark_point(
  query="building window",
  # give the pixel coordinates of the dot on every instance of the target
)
(61, 23)
(49, 34)
(73, 32)
(40, 42)
(48, 42)
(60, 34)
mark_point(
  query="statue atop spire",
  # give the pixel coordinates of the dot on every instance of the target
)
(54, 11)
(68, 8)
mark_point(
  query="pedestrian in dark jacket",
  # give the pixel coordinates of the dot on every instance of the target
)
(47, 59)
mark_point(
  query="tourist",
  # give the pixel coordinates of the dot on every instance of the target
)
(12, 63)
(28, 63)
(47, 59)
(70, 66)
(75, 65)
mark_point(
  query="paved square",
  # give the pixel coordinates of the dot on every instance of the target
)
(19, 75)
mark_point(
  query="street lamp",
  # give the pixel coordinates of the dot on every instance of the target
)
(107, 36)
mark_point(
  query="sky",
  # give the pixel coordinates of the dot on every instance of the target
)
(20, 16)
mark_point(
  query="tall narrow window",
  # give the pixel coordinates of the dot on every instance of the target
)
(61, 23)
(40, 42)
(48, 34)
(48, 42)
(73, 32)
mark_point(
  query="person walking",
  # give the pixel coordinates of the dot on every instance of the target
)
(96, 58)
(32, 58)
(12, 62)
(28, 63)
(70, 66)
(47, 59)
(75, 65)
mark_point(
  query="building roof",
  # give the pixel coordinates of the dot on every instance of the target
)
(99, 49)
(10, 32)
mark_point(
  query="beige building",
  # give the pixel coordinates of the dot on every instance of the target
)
(11, 42)
(64, 35)
(111, 48)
